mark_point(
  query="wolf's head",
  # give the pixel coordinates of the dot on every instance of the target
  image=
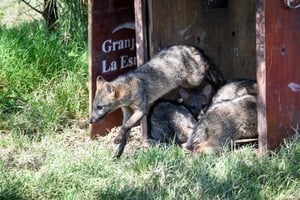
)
(198, 137)
(105, 100)
(197, 100)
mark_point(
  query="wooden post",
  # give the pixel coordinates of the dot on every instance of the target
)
(278, 55)
(282, 58)
(141, 48)
(261, 77)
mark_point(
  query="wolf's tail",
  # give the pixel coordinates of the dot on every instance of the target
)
(213, 75)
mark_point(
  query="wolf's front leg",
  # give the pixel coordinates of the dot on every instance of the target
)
(123, 134)
(127, 113)
(122, 145)
(135, 117)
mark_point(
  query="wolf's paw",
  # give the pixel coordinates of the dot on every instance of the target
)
(148, 142)
(118, 139)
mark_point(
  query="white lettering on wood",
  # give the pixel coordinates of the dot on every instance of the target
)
(110, 46)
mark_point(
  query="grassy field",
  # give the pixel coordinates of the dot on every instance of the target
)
(45, 151)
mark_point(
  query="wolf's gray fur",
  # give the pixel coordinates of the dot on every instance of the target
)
(170, 122)
(234, 89)
(177, 66)
(174, 122)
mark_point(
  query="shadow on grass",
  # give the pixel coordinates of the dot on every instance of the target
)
(11, 191)
(127, 193)
(229, 177)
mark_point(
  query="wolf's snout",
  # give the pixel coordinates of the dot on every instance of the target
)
(92, 120)
(187, 147)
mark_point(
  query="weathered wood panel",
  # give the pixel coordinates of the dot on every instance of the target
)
(111, 49)
(226, 35)
(282, 42)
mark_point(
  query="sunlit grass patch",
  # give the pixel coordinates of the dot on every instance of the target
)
(43, 82)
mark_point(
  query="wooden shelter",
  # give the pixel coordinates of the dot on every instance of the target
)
(257, 39)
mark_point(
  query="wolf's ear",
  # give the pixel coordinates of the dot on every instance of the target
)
(183, 94)
(207, 91)
(109, 89)
(99, 82)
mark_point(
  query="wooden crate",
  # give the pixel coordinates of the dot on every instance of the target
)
(256, 39)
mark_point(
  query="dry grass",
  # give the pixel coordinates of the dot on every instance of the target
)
(13, 12)
(134, 143)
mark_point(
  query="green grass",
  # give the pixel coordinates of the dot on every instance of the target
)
(70, 166)
(44, 154)
(43, 83)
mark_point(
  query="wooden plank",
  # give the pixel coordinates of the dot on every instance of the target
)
(245, 140)
(282, 41)
(141, 48)
(261, 77)
(235, 144)
(111, 44)
(140, 11)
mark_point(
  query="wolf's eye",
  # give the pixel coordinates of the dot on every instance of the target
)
(99, 107)
(193, 107)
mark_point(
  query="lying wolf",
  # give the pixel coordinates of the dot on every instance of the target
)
(223, 122)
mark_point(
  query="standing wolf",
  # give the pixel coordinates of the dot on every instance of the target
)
(177, 66)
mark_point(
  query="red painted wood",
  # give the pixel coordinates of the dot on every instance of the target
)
(105, 17)
(282, 48)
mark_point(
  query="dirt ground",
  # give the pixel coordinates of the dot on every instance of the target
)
(134, 143)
